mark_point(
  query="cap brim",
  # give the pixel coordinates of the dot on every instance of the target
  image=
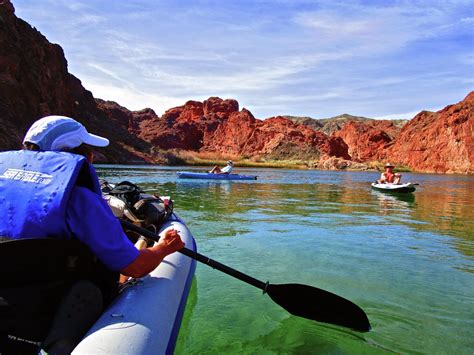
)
(95, 140)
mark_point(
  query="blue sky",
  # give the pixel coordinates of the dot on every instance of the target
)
(380, 59)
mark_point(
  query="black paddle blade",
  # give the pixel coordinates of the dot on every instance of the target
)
(319, 305)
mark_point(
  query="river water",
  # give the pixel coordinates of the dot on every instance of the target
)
(408, 261)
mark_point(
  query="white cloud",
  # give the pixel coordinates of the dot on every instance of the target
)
(314, 58)
(373, 29)
(109, 73)
(133, 100)
(399, 116)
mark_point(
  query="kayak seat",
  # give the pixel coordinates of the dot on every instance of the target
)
(77, 312)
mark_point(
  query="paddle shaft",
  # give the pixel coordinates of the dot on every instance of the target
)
(201, 258)
(300, 300)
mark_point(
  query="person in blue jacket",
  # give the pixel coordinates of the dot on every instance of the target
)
(50, 190)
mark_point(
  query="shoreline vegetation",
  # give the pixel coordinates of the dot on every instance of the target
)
(209, 159)
(192, 158)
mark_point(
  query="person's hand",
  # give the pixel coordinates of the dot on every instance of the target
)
(171, 242)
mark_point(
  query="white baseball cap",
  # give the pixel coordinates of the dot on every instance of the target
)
(61, 133)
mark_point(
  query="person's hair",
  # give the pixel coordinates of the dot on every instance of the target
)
(30, 146)
(84, 149)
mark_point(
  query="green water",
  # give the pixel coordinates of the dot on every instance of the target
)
(407, 261)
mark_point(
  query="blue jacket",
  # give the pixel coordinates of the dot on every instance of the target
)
(35, 188)
(57, 194)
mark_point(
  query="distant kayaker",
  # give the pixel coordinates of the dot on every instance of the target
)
(225, 170)
(388, 176)
(50, 190)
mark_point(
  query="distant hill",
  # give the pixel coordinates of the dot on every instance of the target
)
(334, 124)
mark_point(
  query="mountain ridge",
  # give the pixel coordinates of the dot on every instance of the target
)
(330, 125)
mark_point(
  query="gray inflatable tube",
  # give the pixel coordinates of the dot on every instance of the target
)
(145, 318)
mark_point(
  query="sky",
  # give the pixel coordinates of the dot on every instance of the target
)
(378, 59)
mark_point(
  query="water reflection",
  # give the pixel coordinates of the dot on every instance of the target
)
(224, 187)
(388, 202)
(442, 203)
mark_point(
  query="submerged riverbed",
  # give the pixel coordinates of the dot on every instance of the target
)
(408, 261)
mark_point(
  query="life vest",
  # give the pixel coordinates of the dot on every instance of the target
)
(34, 192)
(37, 262)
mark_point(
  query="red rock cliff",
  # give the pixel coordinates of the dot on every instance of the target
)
(34, 82)
(441, 142)
(217, 125)
(368, 139)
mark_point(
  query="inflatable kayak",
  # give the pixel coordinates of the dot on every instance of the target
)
(403, 188)
(191, 175)
(145, 318)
